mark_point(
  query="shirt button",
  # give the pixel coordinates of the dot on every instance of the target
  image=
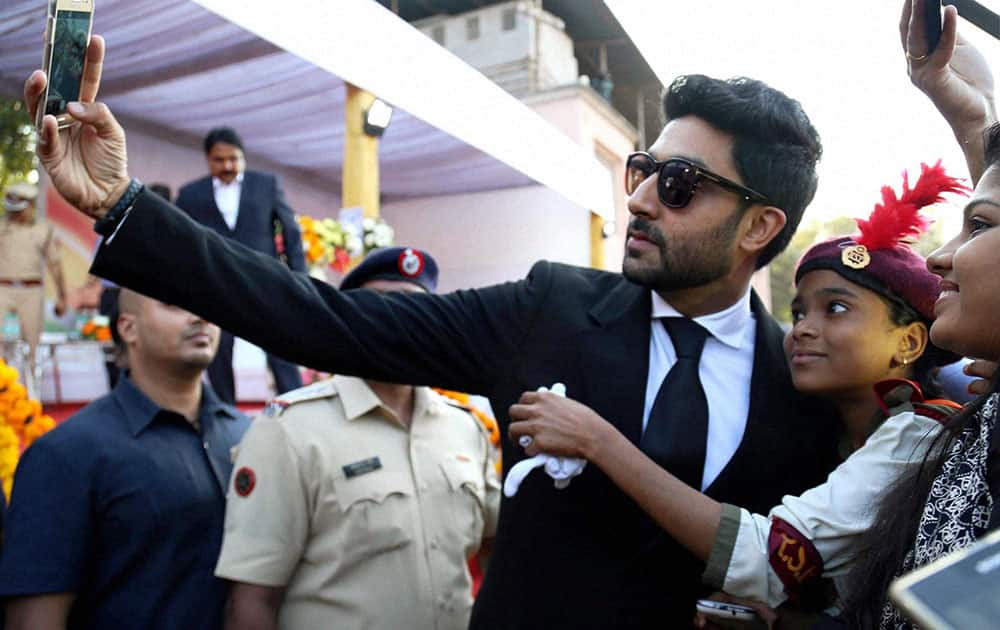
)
(434, 544)
(205, 444)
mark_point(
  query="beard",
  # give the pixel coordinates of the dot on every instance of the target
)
(693, 260)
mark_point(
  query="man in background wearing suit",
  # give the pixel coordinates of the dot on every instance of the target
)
(718, 196)
(249, 207)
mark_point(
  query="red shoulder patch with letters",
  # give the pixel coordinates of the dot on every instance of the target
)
(793, 557)
(244, 481)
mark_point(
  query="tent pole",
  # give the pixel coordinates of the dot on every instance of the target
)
(360, 186)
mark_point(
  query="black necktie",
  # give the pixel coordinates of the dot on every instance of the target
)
(678, 422)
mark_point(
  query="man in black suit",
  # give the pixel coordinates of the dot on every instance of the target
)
(741, 171)
(249, 207)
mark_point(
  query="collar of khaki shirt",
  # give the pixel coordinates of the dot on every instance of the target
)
(359, 399)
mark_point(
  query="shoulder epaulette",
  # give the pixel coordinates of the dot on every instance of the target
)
(457, 404)
(316, 391)
(897, 395)
(938, 409)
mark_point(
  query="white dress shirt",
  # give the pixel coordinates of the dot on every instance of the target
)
(725, 370)
(227, 199)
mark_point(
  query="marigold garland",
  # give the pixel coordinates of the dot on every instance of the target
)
(485, 419)
(97, 328)
(22, 421)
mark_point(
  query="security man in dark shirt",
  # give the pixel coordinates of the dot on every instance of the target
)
(116, 515)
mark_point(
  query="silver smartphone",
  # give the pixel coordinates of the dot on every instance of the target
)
(67, 35)
(730, 615)
(956, 592)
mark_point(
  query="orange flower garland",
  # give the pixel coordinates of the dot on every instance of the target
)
(21, 423)
(96, 329)
(486, 420)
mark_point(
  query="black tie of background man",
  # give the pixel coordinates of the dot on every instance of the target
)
(677, 430)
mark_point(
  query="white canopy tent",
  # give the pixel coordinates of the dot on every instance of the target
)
(275, 72)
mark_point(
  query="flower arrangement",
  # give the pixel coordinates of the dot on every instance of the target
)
(376, 233)
(326, 242)
(97, 328)
(329, 242)
(22, 421)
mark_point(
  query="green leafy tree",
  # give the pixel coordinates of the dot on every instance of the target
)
(783, 267)
(17, 142)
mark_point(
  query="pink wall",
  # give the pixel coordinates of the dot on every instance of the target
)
(490, 237)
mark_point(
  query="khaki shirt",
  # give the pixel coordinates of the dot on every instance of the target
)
(368, 525)
(25, 248)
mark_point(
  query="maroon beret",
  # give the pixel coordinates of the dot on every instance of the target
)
(898, 272)
(878, 257)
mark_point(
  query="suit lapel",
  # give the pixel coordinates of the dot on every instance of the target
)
(213, 216)
(243, 215)
(617, 357)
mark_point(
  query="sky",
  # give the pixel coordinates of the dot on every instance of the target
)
(842, 60)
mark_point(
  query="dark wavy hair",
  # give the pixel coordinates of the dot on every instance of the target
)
(885, 545)
(775, 146)
(226, 135)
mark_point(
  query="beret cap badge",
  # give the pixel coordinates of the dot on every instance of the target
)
(411, 263)
(856, 257)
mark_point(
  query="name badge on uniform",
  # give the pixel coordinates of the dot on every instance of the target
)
(364, 466)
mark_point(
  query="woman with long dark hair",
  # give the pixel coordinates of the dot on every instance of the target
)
(948, 499)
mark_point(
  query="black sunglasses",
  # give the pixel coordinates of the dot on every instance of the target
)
(678, 180)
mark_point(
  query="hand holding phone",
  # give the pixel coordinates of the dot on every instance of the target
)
(67, 35)
(727, 615)
(932, 24)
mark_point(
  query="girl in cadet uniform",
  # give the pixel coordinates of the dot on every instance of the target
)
(862, 311)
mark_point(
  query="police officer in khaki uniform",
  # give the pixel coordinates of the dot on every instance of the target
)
(27, 246)
(357, 504)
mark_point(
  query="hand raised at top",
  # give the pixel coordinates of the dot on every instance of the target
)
(955, 76)
(87, 162)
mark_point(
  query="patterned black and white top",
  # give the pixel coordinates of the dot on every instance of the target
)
(958, 507)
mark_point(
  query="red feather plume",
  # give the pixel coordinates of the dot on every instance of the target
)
(897, 218)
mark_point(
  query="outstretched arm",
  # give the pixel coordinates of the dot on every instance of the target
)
(955, 77)
(562, 426)
(755, 556)
(463, 341)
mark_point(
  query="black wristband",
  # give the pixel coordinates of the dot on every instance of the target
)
(106, 225)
